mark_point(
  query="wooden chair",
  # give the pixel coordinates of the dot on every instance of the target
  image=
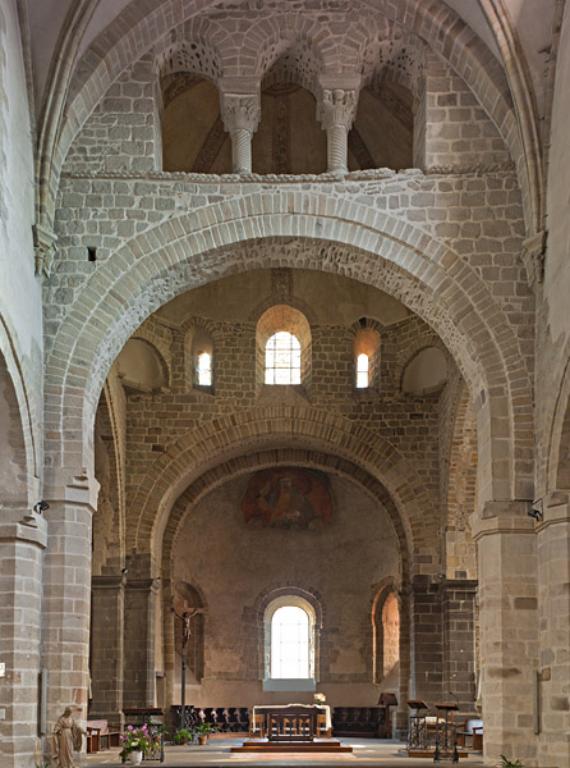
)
(322, 729)
(93, 737)
(101, 736)
(257, 725)
(472, 729)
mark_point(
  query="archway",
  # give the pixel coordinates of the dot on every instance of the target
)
(250, 621)
(380, 252)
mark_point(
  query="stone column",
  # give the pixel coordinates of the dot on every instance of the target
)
(508, 620)
(241, 114)
(107, 649)
(337, 111)
(140, 619)
(67, 591)
(426, 639)
(553, 544)
(23, 538)
(458, 612)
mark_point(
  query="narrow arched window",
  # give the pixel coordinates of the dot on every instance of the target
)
(283, 359)
(204, 369)
(362, 369)
(290, 641)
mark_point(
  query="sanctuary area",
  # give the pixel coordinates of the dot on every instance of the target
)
(284, 381)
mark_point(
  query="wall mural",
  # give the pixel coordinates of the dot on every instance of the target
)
(287, 497)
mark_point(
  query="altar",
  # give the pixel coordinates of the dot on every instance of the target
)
(291, 722)
(291, 728)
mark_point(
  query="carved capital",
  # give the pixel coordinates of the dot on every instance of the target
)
(44, 247)
(337, 107)
(534, 249)
(240, 112)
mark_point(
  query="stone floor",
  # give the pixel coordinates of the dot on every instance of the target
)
(366, 752)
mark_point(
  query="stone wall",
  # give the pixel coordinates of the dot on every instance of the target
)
(157, 421)
(233, 565)
(480, 217)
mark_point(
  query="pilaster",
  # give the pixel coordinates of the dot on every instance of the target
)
(140, 639)
(107, 648)
(72, 498)
(23, 537)
(553, 545)
(508, 619)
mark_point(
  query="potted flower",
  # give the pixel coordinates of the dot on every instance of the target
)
(203, 730)
(183, 736)
(135, 742)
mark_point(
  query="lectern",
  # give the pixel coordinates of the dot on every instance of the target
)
(417, 731)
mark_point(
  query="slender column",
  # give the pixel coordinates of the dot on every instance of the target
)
(508, 619)
(553, 535)
(241, 114)
(107, 649)
(67, 591)
(337, 111)
(23, 538)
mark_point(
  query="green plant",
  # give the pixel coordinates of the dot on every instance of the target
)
(183, 736)
(506, 763)
(204, 729)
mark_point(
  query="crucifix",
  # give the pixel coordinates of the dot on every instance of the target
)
(186, 619)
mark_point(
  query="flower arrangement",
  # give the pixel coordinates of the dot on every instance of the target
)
(319, 698)
(136, 740)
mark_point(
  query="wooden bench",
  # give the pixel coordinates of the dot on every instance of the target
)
(100, 737)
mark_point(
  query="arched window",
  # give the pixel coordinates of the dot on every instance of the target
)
(386, 634)
(362, 366)
(290, 643)
(283, 359)
(290, 640)
(366, 351)
(204, 369)
(199, 360)
(283, 348)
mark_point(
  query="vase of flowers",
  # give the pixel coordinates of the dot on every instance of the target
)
(135, 743)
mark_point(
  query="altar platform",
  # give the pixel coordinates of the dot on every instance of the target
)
(265, 746)
(369, 753)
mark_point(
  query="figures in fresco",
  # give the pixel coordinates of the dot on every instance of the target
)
(288, 497)
(67, 739)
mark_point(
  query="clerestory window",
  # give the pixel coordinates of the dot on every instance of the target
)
(362, 371)
(204, 370)
(283, 359)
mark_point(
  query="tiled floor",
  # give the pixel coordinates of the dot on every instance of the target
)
(366, 752)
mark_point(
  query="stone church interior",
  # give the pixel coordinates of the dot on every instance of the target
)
(284, 382)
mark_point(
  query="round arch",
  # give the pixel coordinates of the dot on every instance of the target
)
(19, 436)
(406, 525)
(203, 456)
(351, 239)
(133, 33)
